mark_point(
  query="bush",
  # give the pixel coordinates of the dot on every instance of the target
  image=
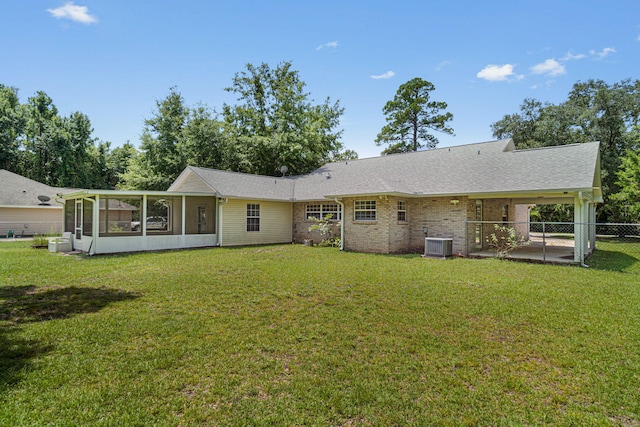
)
(504, 240)
(323, 226)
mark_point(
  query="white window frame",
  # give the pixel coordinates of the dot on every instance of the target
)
(320, 210)
(402, 211)
(365, 210)
(253, 218)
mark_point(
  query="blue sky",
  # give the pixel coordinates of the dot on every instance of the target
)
(113, 59)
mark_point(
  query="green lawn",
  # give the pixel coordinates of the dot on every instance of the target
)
(294, 335)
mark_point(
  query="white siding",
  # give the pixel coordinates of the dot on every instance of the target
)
(193, 184)
(275, 223)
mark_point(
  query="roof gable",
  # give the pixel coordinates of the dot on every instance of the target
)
(237, 185)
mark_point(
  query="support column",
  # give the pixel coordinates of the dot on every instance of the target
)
(592, 227)
(578, 233)
(183, 221)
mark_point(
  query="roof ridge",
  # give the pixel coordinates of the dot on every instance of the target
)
(573, 144)
(430, 150)
(244, 173)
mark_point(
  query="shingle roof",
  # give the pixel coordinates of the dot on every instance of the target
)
(470, 169)
(19, 191)
(247, 186)
(489, 167)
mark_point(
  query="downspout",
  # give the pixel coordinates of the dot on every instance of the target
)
(341, 223)
(220, 201)
(94, 240)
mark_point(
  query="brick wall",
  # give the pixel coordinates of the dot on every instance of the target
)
(443, 219)
(301, 225)
(388, 235)
(367, 236)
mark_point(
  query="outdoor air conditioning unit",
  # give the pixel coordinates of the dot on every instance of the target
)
(438, 247)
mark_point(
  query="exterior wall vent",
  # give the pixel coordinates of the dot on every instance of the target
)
(438, 247)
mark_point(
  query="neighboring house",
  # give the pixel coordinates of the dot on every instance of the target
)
(386, 204)
(28, 207)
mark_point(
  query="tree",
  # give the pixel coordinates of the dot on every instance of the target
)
(43, 139)
(11, 128)
(117, 163)
(276, 124)
(628, 197)
(36, 142)
(74, 153)
(410, 116)
(204, 140)
(160, 161)
(593, 111)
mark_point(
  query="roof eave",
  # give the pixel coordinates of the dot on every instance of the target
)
(88, 193)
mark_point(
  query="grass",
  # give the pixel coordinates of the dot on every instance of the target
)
(293, 335)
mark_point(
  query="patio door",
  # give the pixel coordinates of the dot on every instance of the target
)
(202, 219)
(78, 220)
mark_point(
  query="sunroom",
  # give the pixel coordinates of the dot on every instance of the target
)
(111, 221)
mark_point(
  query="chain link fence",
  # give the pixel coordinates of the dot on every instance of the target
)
(552, 241)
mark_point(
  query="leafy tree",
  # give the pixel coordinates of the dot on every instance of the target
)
(42, 139)
(411, 115)
(593, 111)
(117, 163)
(160, 161)
(628, 197)
(36, 142)
(204, 140)
(277, 124)
(11, 128)
(77, 168)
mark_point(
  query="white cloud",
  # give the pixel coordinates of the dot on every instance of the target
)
(571, 57)
(331, 45)
(73, 12)
(497, 73)
(603, 53)
(386, 75)
(550, 67)
(443, 64)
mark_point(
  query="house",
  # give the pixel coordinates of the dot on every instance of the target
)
(28, 207)
(383, 204)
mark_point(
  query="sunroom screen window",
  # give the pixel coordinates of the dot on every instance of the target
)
(120, 215)
(159, 215)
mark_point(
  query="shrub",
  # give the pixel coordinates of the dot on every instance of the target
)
(504, 240)
(324, 227)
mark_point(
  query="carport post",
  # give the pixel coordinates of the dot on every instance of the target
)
(544, 245)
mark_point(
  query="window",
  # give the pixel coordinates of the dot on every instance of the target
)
(364, 210)
(159, 215)
(320, 211)
(402, 211)
(505, 214)
(253, 217)
(120, 216)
